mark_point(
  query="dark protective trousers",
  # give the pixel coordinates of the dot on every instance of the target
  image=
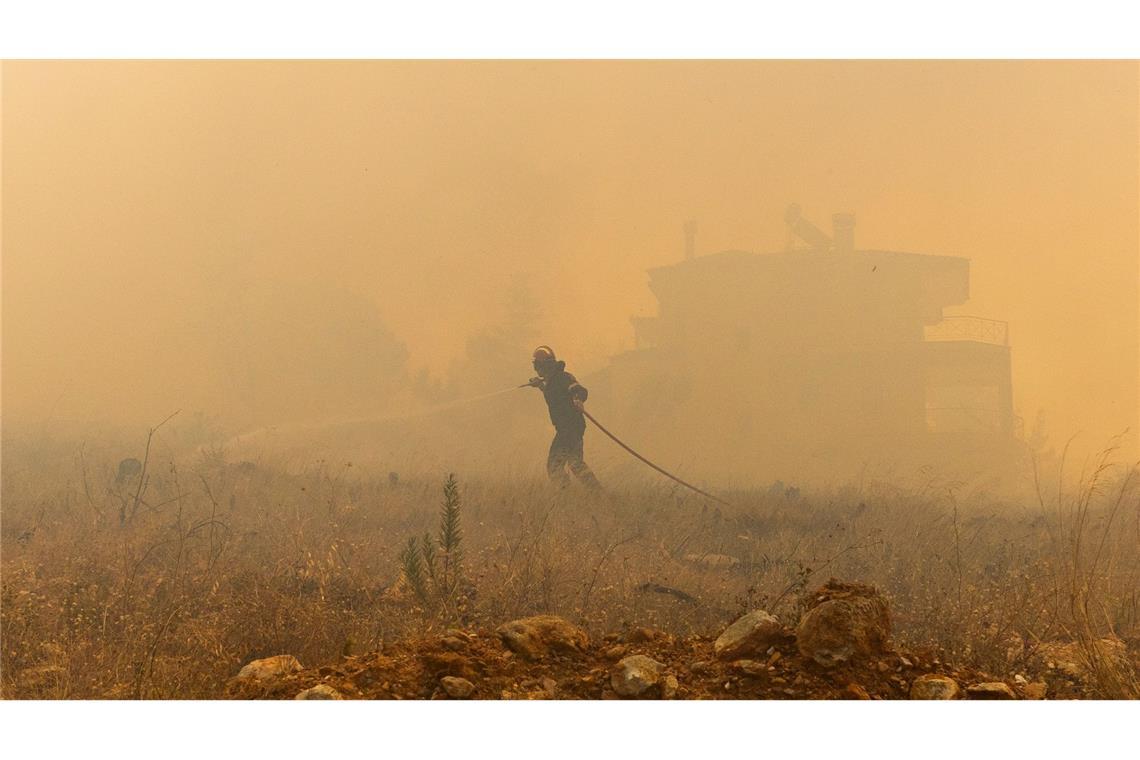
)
(566, 452)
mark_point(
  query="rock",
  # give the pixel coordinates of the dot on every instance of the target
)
(455, 639)
(855, 691)
(845, 621)
(991, 690)
(751, 634)
(1035, 690)
(700, 666)
(750, 667)
(269, 668)
(453, 643)
(934, 687)
(457, 688)
(323, 691)
(638, 676)
(669, 687)
(538, 636)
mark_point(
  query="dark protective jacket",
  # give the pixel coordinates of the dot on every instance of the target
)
(560, 389)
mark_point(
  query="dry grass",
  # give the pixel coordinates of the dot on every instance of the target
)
(224, 562)
(1098, 575)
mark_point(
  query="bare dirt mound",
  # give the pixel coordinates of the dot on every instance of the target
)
(841, 649)
(416, 669)
(546, 657)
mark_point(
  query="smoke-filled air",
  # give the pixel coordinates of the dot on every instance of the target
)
(570, 379)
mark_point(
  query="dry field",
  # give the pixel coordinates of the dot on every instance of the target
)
(165, 583)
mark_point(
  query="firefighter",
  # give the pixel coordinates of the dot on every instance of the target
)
(564, 398)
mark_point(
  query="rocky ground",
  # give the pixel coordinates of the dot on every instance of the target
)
(840, 650)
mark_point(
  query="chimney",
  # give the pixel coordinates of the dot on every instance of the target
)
(690, 239)
(843, 232)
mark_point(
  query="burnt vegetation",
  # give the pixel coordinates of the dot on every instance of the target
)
(216, 563)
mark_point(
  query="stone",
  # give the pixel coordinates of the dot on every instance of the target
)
(457, 688)
(855, 691)
(845, 621)
(751, 634)
(455, 639)
(669, 687)
(700, 666)
(990, 690)
(750, 667)
(453, 643)
(323, 691)
(538, 636)
(538, 688)
(934, 687)
(269, 668)
(1035, 690)
(638, 676)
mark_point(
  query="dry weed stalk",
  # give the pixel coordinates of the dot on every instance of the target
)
(172, 603)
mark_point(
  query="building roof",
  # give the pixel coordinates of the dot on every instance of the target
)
(938, 281)
(734, 257)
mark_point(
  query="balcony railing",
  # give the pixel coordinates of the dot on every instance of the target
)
(970, 328)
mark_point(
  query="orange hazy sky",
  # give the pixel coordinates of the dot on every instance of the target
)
(132, 189)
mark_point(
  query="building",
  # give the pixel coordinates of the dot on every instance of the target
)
(820, 359)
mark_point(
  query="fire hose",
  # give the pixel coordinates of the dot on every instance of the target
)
(621, 443)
